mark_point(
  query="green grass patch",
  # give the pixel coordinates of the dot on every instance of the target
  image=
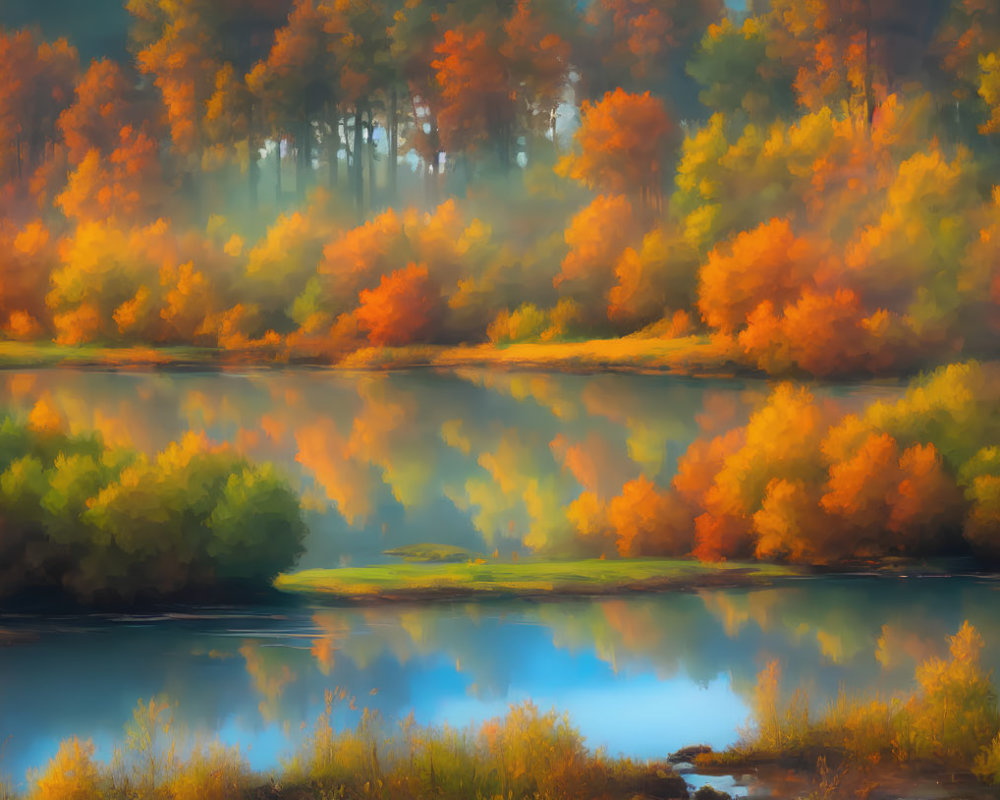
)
(429, 553)
(590, 576)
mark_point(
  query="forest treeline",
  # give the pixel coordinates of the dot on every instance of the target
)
(810, 182)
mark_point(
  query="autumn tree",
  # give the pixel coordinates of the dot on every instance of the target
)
(105, 101)
(111, 148)
(597, 236)
(539, 60)
(197, 52)
(767, 263)
(413, 34)
(477, 105)
(401, 309)
(849, 53)
(967, 43)
(735, 72)
(297, 83)
(360, 33)
(37, 80)
(640, 44)
(621, 146)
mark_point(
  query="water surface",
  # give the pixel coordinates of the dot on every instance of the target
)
(642, 675)
(489, 461)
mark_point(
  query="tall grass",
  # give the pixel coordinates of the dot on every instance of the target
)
(949, 719)
(526, 754)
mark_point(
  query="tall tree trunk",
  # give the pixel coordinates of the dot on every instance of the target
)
(359, 181)
(253, 173)
(371, 160)
(393, 144)
(869, 94)
(304, 160)
(17, 147)
(506, 140)
(434, 178)
(333, 145)
(277, 160)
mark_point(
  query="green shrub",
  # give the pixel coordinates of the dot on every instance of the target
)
(111, 525)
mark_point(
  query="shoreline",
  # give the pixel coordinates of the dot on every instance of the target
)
(688, 356)
(693, 356)
(446, 582)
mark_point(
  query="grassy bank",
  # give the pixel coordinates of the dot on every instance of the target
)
(525, 755)
(689, 355)
(528, 578)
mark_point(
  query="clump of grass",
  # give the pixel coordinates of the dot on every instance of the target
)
(949, 719)
(147, 765)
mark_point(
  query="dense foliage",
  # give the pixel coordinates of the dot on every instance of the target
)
(918, 477)
(300, 179)
(109, 525)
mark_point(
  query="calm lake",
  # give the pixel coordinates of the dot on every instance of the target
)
(484, 460)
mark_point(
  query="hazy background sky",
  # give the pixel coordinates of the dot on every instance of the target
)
(96, 27)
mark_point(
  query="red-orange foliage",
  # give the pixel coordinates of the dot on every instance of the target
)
(721, 536)
(838, 47)
(769, 263)
(621, 145)
(477, 103)
(300, 57)
(185, 45)
(103, 105)
(878, 490)
(36, 84)
(126, 184)
(597, 235)
(356, 258)
(821, 334)
(538, 59)
(27, 256)
(400, 310)
(648, 521)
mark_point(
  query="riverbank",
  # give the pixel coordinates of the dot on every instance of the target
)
(691, 355)
(584, 577)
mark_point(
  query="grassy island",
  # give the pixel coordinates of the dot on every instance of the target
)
(526, 578)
